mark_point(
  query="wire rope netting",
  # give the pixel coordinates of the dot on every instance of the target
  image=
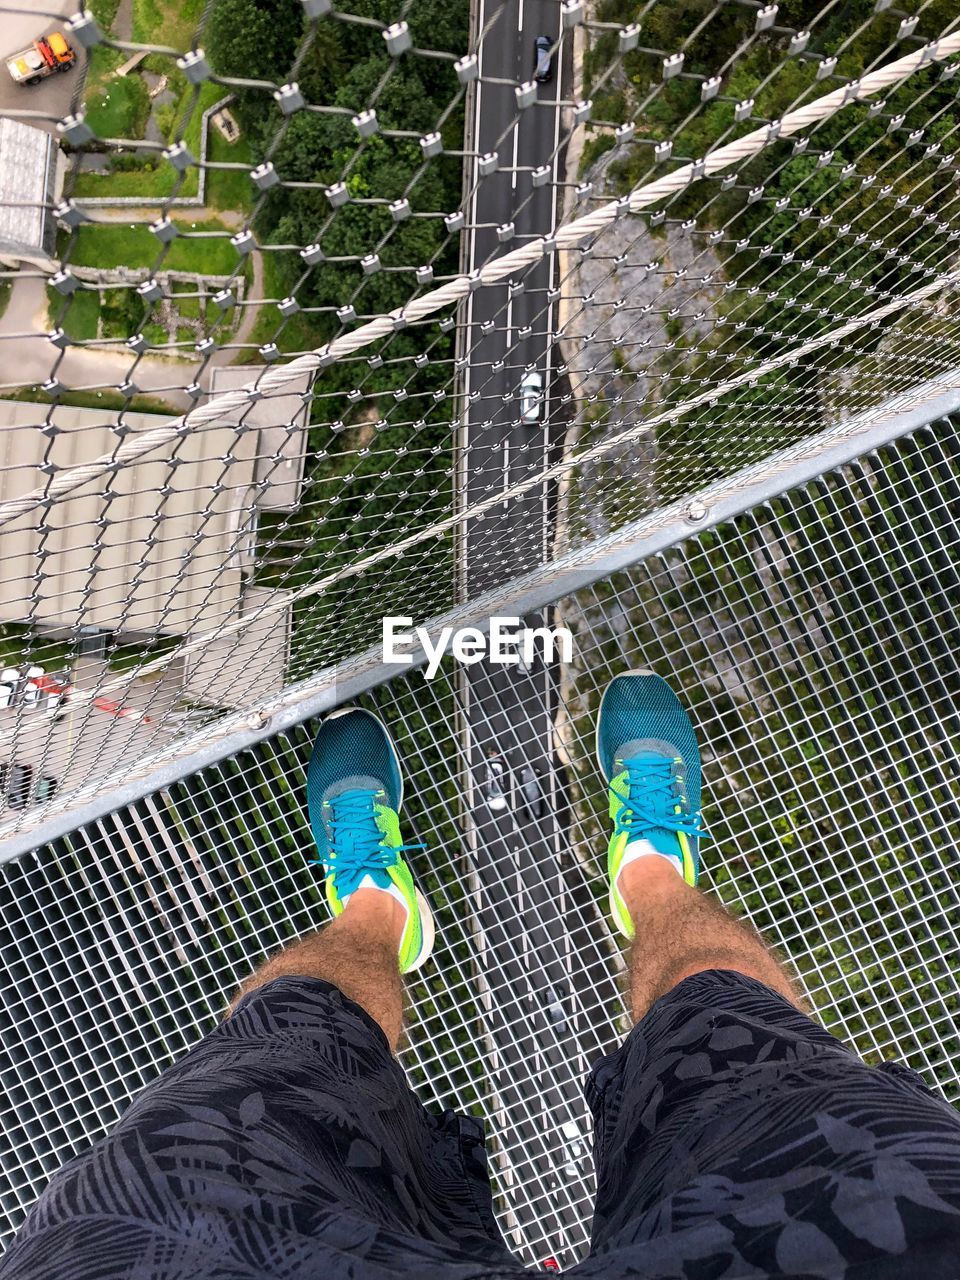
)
(312, 314)
(813, 638)
(316, 314)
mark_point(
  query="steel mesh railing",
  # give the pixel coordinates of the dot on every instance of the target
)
(811, 637)
(712, 234)
(276, 276)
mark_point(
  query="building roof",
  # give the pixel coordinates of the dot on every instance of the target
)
(161, 546)
(26, 161)
(280, 419)
(246, 665)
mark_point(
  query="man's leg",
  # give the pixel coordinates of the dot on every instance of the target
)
(733, 1135)
(357, 953)
(287, 1143)
(678, 932)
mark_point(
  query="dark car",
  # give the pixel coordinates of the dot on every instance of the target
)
(19, 783)
(542, 59)
(532, 793)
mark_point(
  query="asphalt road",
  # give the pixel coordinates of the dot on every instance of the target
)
(538, 925)
(51, 98)
(502, 450)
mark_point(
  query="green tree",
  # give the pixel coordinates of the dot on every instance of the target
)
(255, 39)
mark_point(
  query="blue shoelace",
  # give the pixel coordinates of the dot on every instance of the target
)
(651, 801)
(357, 843)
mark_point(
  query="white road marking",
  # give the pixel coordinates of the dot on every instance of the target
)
(516, 145)
(463, 453)
(506, 470)
(551, 311)
(552, 877)
(520, 17)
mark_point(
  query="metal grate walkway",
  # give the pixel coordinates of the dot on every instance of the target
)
(814, 638)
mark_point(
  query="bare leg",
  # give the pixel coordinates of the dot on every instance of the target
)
(679, 932)
(357, 952)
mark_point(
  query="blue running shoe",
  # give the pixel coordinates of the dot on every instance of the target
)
(648, 755)
(354, 795)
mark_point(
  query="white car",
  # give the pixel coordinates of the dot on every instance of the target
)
(531, 396)
(494, 783)
(31, 690)
(9, 679)
(576, 1149)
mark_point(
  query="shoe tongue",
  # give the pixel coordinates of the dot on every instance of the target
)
(638, 760)
(638, 754)
(651, 750)
(375, 878)
(342, 787)
(356, 782)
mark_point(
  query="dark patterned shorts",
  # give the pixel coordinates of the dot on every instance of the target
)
(734, 1138)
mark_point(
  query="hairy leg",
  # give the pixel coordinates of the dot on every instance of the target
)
(679, 932)
(357, 953)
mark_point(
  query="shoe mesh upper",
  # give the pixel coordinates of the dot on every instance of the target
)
(350, 745)
(645, 707)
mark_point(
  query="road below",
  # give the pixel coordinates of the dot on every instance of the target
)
(543, 970)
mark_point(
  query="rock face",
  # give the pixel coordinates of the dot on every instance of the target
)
(636, 302)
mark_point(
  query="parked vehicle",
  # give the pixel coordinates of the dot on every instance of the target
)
(44, 57)
(576, 1149)
(31, 686)
(9, 679)
(19, 782)
(553, 1003)
(542, 59)
(45, 789)
(531, 790)
(531, 397)
(17, 788)
(31, 689)
(494, 783)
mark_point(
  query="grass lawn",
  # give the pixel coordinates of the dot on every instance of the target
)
(188, 307)
(126, 657)
(156, 334)
(82, 314)
(109, 400)
(20, 644)
(118, 108)
(104, 11)
(115, 245)
(115, 108)
(160, 22)
(5, 286)
(156, 177)
(228, 188)
(121, 313)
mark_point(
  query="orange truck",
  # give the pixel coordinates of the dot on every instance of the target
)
(45, 56)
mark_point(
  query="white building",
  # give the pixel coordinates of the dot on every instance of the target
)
(162, 550)
(28, 167)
